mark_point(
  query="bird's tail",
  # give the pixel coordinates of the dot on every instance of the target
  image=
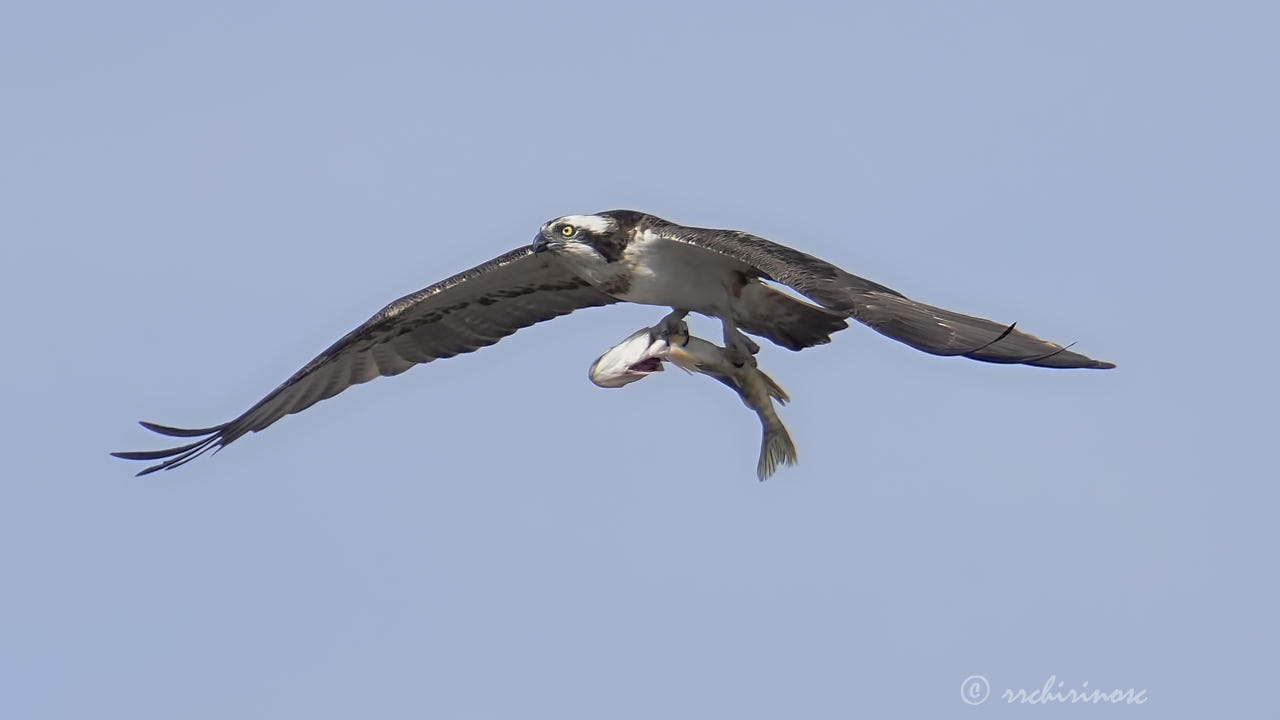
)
(776, 447)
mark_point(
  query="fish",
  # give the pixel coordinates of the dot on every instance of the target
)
(643, 352)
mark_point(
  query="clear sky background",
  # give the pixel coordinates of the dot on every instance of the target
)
(195, 201)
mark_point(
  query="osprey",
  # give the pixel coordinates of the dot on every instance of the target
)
(580, 261)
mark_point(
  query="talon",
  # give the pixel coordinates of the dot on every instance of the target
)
(735, 340)
(675, 333)
(742, 344)
(739, 358)
(674, 326)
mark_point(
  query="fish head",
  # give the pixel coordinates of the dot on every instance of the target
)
(635, 358)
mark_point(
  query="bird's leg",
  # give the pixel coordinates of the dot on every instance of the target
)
(739, 357)
(674, 327)
(735, 341)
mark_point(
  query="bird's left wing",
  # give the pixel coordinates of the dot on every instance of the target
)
(458, 315)
(924, 327)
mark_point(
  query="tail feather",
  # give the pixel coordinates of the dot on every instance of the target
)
(788, 321)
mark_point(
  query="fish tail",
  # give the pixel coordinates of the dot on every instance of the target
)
(776, 447)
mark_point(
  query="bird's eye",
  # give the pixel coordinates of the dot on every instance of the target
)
(568, 230)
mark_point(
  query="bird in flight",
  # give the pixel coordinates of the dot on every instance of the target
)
(581, 261)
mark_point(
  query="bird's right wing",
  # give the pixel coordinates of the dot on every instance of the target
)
(458, 315)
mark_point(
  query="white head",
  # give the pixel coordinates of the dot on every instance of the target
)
(584, 239)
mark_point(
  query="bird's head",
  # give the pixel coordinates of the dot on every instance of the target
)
(588, 240)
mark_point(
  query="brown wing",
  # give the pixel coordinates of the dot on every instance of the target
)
(887, 311)
(463, 313)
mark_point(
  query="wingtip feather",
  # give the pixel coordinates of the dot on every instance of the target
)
(179, 432)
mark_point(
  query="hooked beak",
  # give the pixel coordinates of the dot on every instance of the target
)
(539, 243)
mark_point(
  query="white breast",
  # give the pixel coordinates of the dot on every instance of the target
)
(679, 275)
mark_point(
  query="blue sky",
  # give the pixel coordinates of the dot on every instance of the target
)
(198, 200)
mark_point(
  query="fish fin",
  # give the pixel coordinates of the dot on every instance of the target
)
(775, 390)
(776, 448)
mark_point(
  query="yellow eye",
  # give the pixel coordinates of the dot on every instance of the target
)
(568, 230)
